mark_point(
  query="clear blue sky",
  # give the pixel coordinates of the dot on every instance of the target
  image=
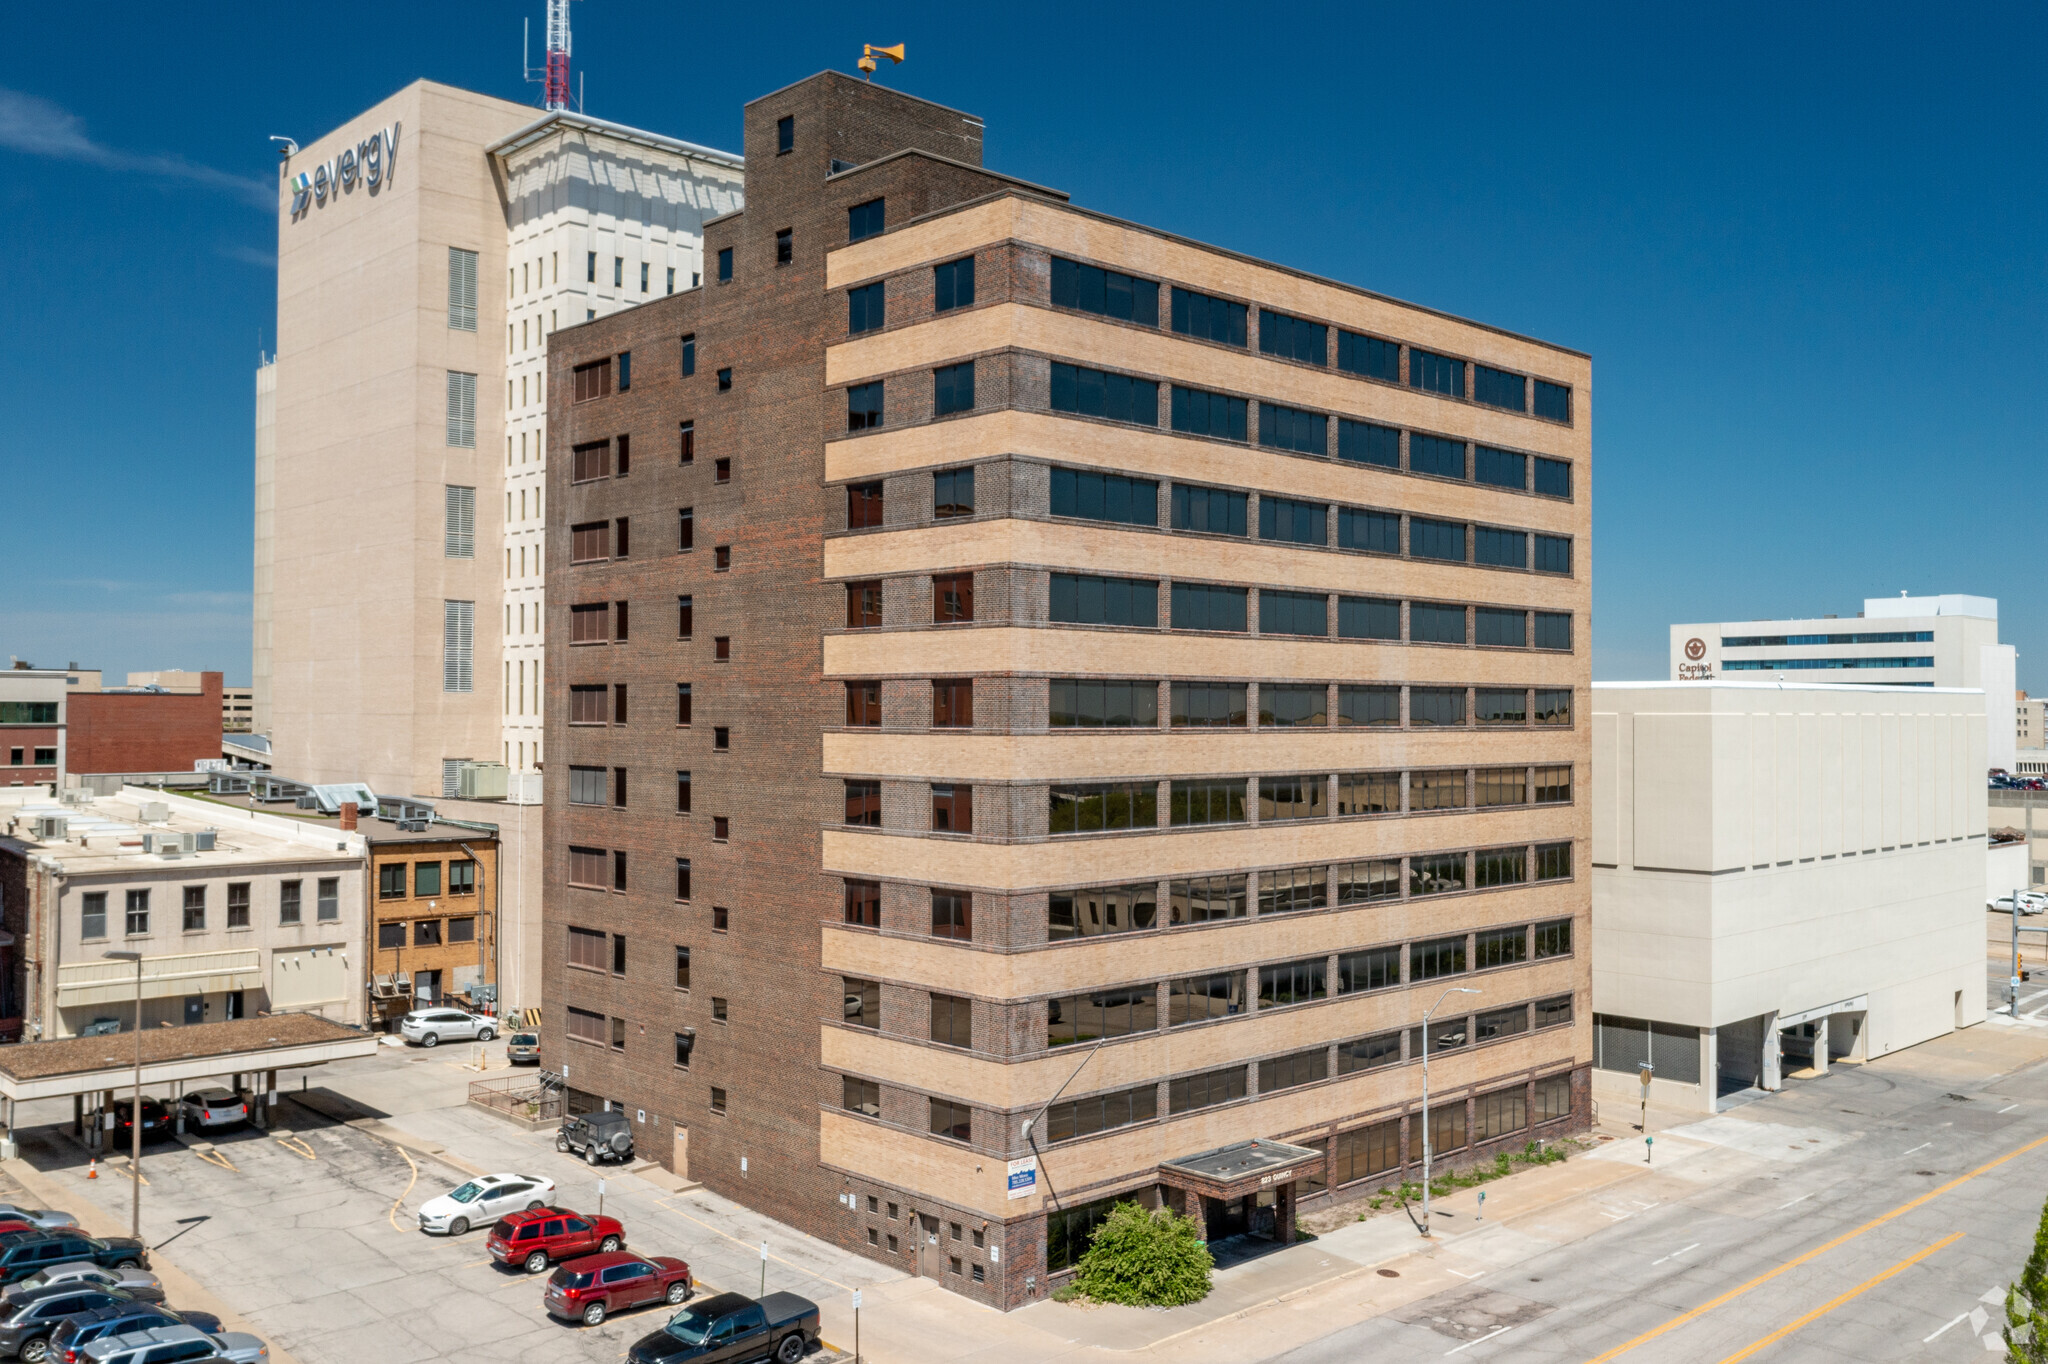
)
(1803, 243)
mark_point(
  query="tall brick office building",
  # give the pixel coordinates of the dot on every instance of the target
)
(1091, 666)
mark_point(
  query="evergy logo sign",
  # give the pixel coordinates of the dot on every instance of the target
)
(369, 163)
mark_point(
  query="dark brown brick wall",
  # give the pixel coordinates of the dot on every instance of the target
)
(770, 326)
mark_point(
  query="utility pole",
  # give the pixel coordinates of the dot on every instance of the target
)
(135, 1110)
(2014, 983)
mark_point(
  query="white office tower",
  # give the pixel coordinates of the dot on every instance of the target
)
(1944, 641)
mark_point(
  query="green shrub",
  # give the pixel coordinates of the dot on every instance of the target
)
(1145, 1259)
(2026, 1304)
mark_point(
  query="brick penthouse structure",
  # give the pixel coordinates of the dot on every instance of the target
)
(1112, 688)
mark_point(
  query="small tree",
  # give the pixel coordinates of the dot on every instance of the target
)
(1145, 1259)
(2026, 1304)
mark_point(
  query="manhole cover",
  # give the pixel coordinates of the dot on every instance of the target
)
(1390, 1274)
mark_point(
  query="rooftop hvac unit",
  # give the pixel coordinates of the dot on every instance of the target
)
(402, 808)
(523, 788)
(49, 828)
(205, 840)
(221, 784)
(75, 795)
(481, 781)
(308, 801)
(167, 844)
(413, 826)
(155, 812)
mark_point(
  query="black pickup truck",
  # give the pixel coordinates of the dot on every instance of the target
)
(732, 1329)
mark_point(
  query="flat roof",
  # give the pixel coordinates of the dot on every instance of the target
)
(106, 835)
(1720, 685)
(567, 120)
(77, 1065)
(1227, 1164)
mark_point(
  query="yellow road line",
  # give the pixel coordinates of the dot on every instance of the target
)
(216, 1158)
(1847, 1236)
(1774, 1337)
(297, 1147)
(392, 1215)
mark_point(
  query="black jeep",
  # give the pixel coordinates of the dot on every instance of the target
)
(602, 1136)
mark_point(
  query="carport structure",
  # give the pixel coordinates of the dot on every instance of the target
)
(102, 1067)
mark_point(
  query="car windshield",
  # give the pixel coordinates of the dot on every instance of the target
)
(690, 1326)
(569, 1278)
(526, 1039)
(467, 1193)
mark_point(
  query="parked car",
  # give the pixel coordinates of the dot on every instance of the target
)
(484, 1200)
(139, 1284)
(22, 1253)
(523, 1049)
(731, 1327)
(2031, 902)
(73, 1334)
(47, 1218)
(594, 1287)
(27, 1320)
(210, 1108)
(164, 1344)
(537, 1239)
(432, 1027)
(156, 1119)
(597, 1137)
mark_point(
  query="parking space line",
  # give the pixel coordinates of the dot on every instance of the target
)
(216, 1158)
(1958, 1317)
(1710, 1304)
(1831, 1304)
(392, 1215)
(297, 1147)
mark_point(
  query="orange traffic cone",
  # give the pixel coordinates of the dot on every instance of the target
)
(92, 1171)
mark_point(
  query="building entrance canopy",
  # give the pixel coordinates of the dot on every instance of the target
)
(91, 1065)
(1241, 1168)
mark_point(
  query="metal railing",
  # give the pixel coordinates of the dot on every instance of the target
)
(522, 1097)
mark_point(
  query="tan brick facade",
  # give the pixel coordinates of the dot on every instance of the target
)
(823, 1099)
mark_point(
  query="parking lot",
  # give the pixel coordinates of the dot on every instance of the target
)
(310, 1230)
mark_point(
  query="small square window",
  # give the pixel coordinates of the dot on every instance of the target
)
(871, 1203)
(785, 247)
(719, 1012)
(721, 471)
(953, 1263)
(721, 738)
(725, 265)
(954, 1229)
(892, 1218)
(785, 134)
(892, 1245)
(979, 1273)
(717, 1099)
(721, 648)
(978, 1240)
(874, 1236)
(725, 380)
(721, 829)
(721, 919)
(721, 557)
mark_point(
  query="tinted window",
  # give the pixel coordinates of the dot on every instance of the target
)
(864, 220)
(1553, 401)
(1096, 393)
(1289, 428)
(1293, 613)
(1500, 468)
(1105, 497)
(1084, 599)
(864, 308)
(1105, 292)
(1553, 554)
(953, 284)
(1214, 510)
(1553, 630)
(1207, 317)
(1498, 388)
(1202, 606)
(1302, 523)
(1370, 356)
(953, 389)
(1500, 548)
(1379, 532)
(1429, 539)
(1436, 373)
(1369, 618)
(1435, 455)
(864, 406)
(1553, 477)
(1292, 338)
(1365, 443)
(1369, 705)
(1200, 413)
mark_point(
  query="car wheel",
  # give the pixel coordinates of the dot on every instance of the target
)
(593, 1315)
(130, 1263)
(561, 1143)
(34, 1351)
(608, 1244)
(535, 1206)
(590, 1155)
(459, 1227)
(791, 1349)
(484, 1034)
(536, 1262)
(678, 1291)
(430, 1039)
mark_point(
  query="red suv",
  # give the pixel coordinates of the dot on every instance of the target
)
(542, 1235)
(595, 1286)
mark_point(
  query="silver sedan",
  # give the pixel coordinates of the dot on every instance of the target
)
(136, 1283)
(49, 1219)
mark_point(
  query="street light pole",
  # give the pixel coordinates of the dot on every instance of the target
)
(135, 1105)
(1454, 990)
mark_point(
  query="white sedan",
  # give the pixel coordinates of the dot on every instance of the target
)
(2031, 902)
(483, 1201)
(215, 1108)
(432, 1027)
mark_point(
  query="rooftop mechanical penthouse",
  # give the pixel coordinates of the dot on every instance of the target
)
(1038, 705)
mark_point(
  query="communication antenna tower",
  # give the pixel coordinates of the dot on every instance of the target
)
(554, 76)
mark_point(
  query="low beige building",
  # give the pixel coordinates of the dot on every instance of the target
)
(236, 912)
(1783, 875)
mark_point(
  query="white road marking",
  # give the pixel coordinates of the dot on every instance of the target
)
(1994, 1296)
(1676, 1253)
(1959, 1317)
(1468, 1277)
(1977, 1319)
(1801, 1199)
(1481, 1341)
(1921, 1147)
(2008, 1108)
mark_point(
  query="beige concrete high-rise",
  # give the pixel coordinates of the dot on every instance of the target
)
(397, 455)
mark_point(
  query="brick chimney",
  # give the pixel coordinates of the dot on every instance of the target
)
(348, 816)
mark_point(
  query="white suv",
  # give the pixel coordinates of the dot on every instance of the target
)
(431, 1027)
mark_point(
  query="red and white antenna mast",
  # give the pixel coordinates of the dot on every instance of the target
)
(554, 77)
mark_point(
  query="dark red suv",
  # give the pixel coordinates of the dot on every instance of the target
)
(592, 1288)
(536, 1238)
